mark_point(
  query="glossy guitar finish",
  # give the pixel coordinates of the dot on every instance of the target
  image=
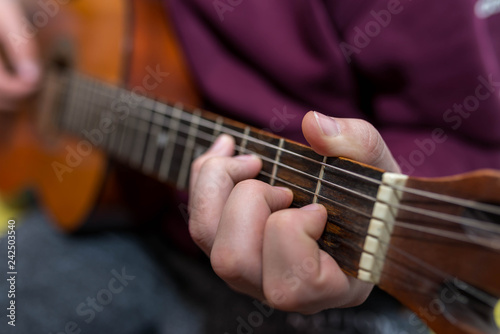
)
(115, 41)
(75, 32)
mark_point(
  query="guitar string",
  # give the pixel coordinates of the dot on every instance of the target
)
(442, 216)
(408, 208)
(433, 231)
(458, 201)
(439, 215)
(405, 268)
(487, 226)
(446, 278)
(467, 203)
(211, 139)
(209, 124)
(388, 258)
(438, 273)
(454, 200)
(402, 266)
(481, 241)
(441, 274)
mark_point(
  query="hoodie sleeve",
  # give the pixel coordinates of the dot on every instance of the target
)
(428, 75)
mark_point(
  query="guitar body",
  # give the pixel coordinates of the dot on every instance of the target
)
(121, 42)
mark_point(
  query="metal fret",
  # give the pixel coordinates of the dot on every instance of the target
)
(78, 107)
(219, 124)
(320, 178)
(276, 162)
(188, 150)
(128, 132)
(107, 122)
(143, 126)
(86, 127)
(118, 128)
(82, 117)
(96, 110)
(72, 98)
(244, 141)
(126, 139)
(158, 140)
(165, 142)
(101, 105)
(93, 96)
(88, 100)
(83, 107)
(172, 135)
(60, 110)
(114, 140)
(162, 118)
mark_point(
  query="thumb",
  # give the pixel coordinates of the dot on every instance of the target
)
(354, 139)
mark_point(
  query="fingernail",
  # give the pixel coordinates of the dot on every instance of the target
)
(328, 125)
(28, 71)
(285, 189)
(246, 157)
(220, 143)
(311, 207)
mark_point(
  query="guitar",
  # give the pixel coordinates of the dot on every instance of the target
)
(434, 244)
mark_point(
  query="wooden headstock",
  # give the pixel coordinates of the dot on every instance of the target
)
(443, 260)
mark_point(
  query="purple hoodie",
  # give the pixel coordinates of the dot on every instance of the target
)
(425, 73)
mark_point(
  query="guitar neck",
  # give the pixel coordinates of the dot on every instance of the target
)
(434, 244)
(382, 227)
(162, 140)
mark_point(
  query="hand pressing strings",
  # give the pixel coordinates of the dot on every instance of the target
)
(255, 242)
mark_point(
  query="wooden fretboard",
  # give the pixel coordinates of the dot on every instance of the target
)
(382, 227)
(162, 140)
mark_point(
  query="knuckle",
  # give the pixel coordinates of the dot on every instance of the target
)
(362, 291)
(201, 202)
(306, 293)
(206, 163)
(214, 175)
(281, 220)
(197, 164)
(234, 168)
(213, 163)
(284, 299)
(372, 141)
(227, 264)
(198, 233)
(209, 164)
(283, 216)
(250, 187)
(358, 300)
